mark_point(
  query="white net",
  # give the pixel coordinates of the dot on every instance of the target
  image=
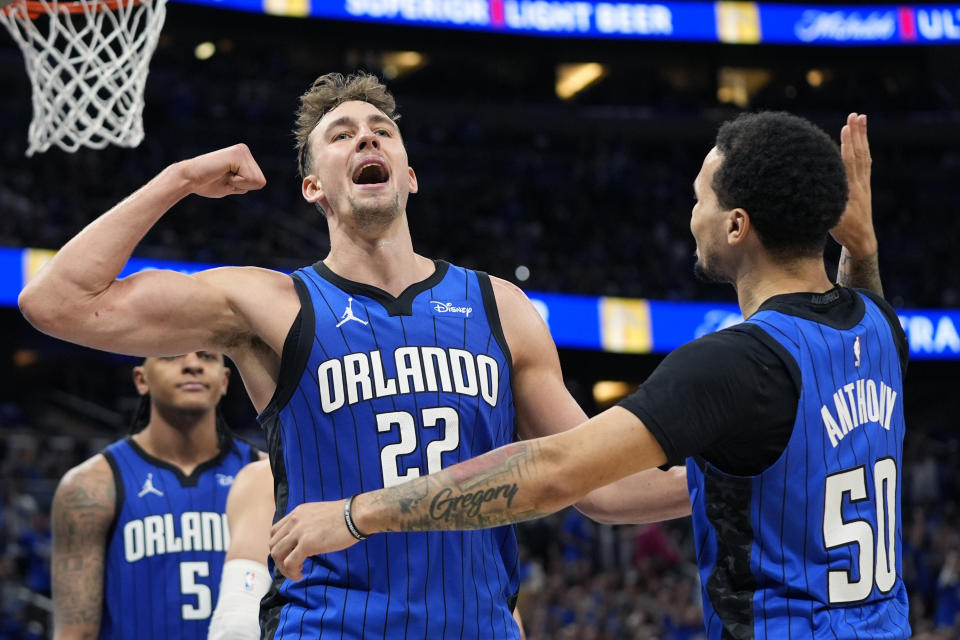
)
(87, 61)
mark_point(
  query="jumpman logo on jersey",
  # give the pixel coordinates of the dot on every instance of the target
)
(348, 314)
(856, 351)
(149, 488)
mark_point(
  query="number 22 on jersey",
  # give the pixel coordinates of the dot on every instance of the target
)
(431, 418)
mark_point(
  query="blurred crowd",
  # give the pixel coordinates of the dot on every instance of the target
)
(593, 196)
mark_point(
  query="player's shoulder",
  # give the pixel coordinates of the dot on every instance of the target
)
(743, 344)
(90, 484)
(255, 473)
(94, 468)
(510, 298)
(252, 484)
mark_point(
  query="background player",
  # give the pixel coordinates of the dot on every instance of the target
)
(425, 338)
(139, 532)
(793, 468)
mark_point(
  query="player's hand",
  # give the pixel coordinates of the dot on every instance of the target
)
(855, 229)
(311, 528)
(223, 172)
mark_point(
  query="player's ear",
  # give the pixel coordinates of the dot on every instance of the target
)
(140, 380)
(413, 180)
(226, 381)
(738, 225)
(311, 189)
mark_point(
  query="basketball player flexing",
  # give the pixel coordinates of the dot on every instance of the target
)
(430, 365)
(139, 532)
(790, 424)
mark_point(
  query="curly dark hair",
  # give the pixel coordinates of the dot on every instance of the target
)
(787, 174)
(325, 94)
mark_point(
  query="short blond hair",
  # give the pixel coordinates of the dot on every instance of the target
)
(325, 94)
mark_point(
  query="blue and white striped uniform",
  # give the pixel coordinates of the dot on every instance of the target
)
(166, 548)
(375, 390)
(810, 547)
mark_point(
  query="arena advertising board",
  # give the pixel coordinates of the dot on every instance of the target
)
(598, 323)
(729, 22)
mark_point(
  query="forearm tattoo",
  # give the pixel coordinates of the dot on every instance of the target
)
(494, 489)
(82, 513)
(862, 274)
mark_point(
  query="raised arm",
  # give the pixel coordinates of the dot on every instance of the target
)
(520, 481)
(544, 407)
(858, 258)
(77, 295)
(83, 508)
(245, 575)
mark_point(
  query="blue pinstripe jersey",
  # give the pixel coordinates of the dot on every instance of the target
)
(810, 547)
(375, 390)
(165, 551)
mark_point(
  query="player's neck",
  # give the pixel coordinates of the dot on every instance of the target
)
(385, 259)
(760, 282)
(184, 439)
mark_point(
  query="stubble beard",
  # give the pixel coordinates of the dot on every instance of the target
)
(705, 274)
(369, 215)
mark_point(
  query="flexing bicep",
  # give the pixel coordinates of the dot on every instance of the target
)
(155, 312)
(160, 312)
(543, 404)
(83, 510)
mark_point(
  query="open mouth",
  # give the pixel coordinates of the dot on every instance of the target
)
(371, 173)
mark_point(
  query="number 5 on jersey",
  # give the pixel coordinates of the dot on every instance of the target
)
(409, 441)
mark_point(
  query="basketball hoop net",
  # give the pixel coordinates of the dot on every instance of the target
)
(88, 68)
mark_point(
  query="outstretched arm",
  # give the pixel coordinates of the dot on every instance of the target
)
(858, 259)
(544, 407)
(83, 508)
(520, 481)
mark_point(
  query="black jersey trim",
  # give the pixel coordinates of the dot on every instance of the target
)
(402, 305)
(899, 336)
(822, 308)
(185, 480)
(731, 584)
(119, 489)
(296, 353)
(496, 326)
(273, 602)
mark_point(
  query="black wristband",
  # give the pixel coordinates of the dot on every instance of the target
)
(348, 519)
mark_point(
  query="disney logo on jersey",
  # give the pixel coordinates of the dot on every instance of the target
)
(443, 308)
(224, 480)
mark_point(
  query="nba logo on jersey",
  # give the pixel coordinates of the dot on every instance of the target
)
(856, 351)
(249, 580)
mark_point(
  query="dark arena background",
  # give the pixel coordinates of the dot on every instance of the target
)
(587, 194)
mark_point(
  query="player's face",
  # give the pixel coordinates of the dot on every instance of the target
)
(192, 382)
(707, 222)
(360, 166)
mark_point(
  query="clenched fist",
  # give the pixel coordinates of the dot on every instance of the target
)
(222, 173)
